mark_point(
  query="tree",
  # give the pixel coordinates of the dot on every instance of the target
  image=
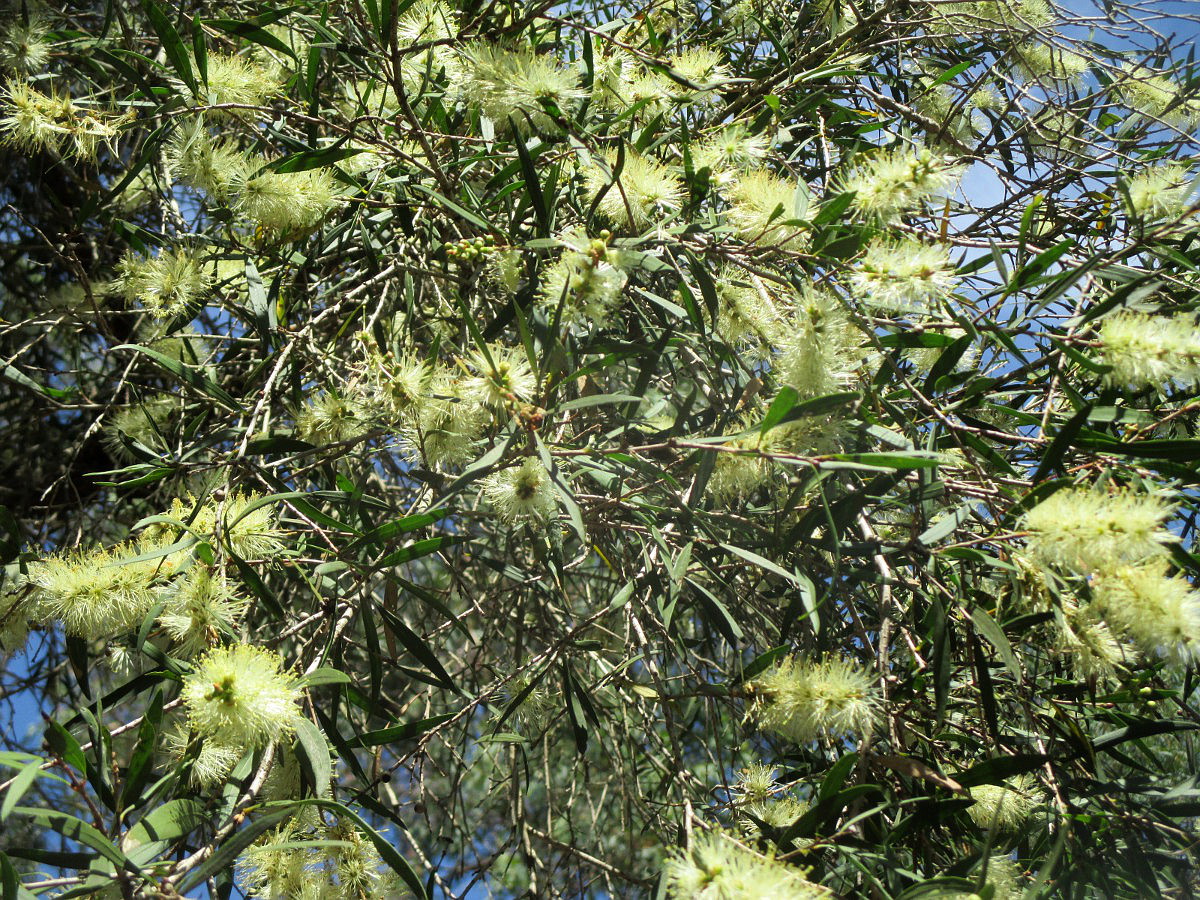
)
(561, 449)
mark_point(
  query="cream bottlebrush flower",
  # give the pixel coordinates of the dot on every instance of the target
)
(14, 622)
(329, 417)
(755, 784)
(94, 594)
(1005, 877)
(243, 522)
(449, 419)
(34, 122)
(521, 493)
(241, 696)
(206, 163)
(506, 268)
(1085, 530)
(704, 69)
(1150, 350)
(890, 183)
(586, 280)
(507, 377)
(1161, 193)
(1041, 61)
(209, 762)
(288, 204)
(904, 275)
(517, 86)
(306, 860)
(613, 72)
(1005, 806)
(536, 708)
(953, 114)
(740, 470)
(1156, 96)
(645, 192)
(649, 94)
(801, 700)
(394, 388)
(280, 865)
(817, 346)
(747, 311)
(197, 608)
(988, 99)
(235, 80)
(167, 285)
(1160, 611)
(25, 46)
(718, 868)
(776, 812)
(427, 22)
(730, 151)
(357, 865)
(971, 18)
(146, 422)
(762, 210)
(248, 525)
(1090, 646)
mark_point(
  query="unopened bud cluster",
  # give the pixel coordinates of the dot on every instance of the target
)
(469, 249)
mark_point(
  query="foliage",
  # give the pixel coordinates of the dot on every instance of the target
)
(564, 449)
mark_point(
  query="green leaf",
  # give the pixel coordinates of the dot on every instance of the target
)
(260, 306)
(141, 761)
(837, 775)
(533, 187)
(162, 826)
(187, 375)
(199, 50)
(762, 562)
(987, 627)
(945, 525)
(63, 744)
(415, 645)
(783, 404)
(172, 44)
(15, 375)
(915, 460)
(1000, 769)
(20, 783)
(396, 733)
(10, 882)
(596, 400)
(325, 675)
(1040, 263)
(314, 756)
(398, 527)
(833, 209)
(418, 549)
(953, 72)
(458, 209)
(254, 31)
(314, 159)
(76, 830)
(764, 661)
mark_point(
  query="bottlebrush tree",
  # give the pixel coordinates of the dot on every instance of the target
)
(731, 450)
